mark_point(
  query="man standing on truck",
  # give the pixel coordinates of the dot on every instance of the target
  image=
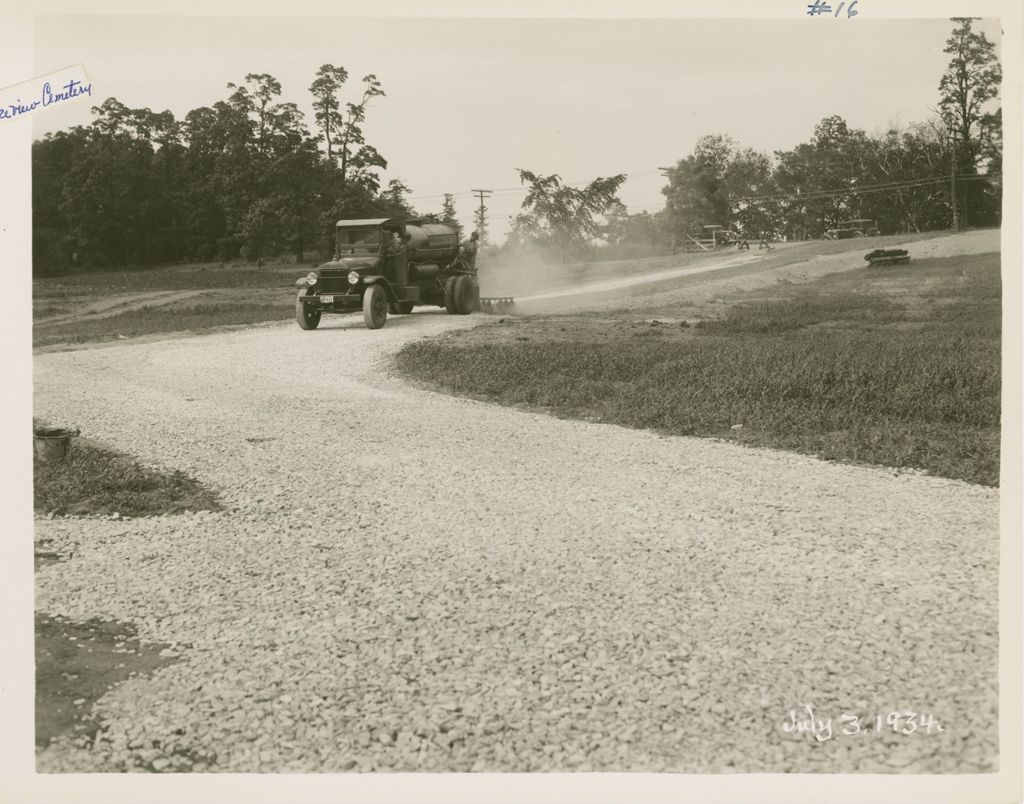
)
(390, 247)
(467, 253)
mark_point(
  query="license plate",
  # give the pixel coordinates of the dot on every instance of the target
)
(327, 300)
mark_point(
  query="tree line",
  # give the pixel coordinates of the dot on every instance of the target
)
(244, 178)
(247, 179)
(911, 179)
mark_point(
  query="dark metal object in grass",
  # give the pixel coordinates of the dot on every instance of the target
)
(891, 256)
(52, 443)
(497, 304)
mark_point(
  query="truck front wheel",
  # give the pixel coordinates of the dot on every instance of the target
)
(375, 307)
(307, 318)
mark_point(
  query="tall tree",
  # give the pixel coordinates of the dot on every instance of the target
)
(352, 141)
(351, 177)
(971, 80)
(117, 196)
(396, 199)
(448, 214)
(326, 105)
(706, 187)
(697, 194)
(899, 158)
(54, 242)
(562, 216)
(822, 178)
(970, 83)
(280, 147)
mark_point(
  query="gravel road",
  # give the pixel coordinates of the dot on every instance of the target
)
(404, 581)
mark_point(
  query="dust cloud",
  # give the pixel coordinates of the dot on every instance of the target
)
(527, 273)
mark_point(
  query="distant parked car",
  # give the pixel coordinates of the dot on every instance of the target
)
(861, 227)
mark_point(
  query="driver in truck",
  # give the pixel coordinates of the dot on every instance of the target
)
(389, 248)
(390, 245)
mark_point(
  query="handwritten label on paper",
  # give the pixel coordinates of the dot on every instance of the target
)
(36, 94)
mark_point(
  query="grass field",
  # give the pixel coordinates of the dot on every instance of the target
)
(898, 367)
(95, 480)
(95, 307)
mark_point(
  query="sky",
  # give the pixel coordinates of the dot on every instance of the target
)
(471, 100)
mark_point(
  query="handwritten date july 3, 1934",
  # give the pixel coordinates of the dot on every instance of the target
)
(903, 722)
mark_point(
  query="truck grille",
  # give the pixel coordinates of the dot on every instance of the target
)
(333, 284)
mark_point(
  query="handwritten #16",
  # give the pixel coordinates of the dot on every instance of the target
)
(818, 8)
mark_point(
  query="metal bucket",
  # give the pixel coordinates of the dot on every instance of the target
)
(52, 443)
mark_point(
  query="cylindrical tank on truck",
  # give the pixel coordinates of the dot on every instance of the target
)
(431, 248)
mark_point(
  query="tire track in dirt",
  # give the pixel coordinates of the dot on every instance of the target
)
(120, 304)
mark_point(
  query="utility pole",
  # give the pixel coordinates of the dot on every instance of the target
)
(952, 185)
(672, 229)
(481, 216)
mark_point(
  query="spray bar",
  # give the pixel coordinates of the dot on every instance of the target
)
(497, 304)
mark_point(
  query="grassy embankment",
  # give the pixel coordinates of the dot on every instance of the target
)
(95, 480)
(896, 366)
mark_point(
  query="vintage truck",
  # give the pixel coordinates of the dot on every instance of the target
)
(384, 265)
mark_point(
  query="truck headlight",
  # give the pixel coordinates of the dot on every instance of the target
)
(311, 278)
(353, 277)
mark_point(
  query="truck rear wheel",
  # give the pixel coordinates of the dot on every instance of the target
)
(375, 307)
(465, 292)
(449, 295)
(307, 318)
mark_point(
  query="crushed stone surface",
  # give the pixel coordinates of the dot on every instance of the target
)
(404, 581)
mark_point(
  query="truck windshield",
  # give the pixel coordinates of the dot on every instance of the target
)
(358, 236)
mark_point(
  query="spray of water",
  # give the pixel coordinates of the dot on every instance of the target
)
(545, 287)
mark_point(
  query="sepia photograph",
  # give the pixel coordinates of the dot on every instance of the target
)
(569, 397)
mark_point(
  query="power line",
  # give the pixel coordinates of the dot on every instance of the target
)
(815, 195)
(523, 189)
(887, 186)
